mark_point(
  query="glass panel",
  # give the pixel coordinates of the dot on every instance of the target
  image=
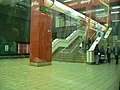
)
(14, 25)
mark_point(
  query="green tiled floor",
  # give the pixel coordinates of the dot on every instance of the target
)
(16, 74)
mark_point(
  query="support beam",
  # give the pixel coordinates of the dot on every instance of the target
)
(72, 13)
(77, 5)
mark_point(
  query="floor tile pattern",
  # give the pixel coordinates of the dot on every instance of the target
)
(17, 74)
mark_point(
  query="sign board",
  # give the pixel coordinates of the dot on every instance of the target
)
(6, 47)
(45, 9)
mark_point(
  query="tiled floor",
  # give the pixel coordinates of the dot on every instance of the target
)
(16, 74)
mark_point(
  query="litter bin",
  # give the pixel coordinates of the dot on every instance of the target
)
(90, 57)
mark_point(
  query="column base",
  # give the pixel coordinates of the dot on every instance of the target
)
(39, 64)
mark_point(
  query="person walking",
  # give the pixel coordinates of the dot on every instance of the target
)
(85, 46)
(97, 52)
(116, 52)
(108, 53)
(89, 42)
(102, 54)
(80, 46)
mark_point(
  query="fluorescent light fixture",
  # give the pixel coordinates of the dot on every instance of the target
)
(115, 12)
(85, 1)
(115, 20)
(67, 0)
(84, 12)
(63, 8)
(115, 7)
(72, 4)
(99, 10)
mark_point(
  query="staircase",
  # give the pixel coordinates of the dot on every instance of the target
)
(99, 40)
(79, 56)
(56, 56)
(70, 54)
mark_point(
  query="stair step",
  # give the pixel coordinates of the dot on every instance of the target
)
(67, 56)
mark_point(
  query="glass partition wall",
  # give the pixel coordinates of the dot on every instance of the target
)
(64, 25)
(14, 27)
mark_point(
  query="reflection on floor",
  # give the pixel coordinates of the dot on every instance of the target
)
(16, 74)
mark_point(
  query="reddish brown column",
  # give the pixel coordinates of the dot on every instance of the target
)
(40, 35)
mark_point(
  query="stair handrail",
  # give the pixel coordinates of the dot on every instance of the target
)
(74, 48)
(58, 42)
(65, 47)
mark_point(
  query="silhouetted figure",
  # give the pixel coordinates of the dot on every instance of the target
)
(108, 53)
(83, 44)
(116, 52)
(102, 54)
(80, 46)
(97, 52)
(87, 44)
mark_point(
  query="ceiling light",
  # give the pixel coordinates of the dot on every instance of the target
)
(99, 10)
(84, 12)
(85, 1)
(115, 12)
(67, 0)
(72, 4)
(115, 7)
(115, 20)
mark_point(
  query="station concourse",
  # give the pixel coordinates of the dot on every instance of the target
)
(59, 45)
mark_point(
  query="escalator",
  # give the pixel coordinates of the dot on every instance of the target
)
(99, 40)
